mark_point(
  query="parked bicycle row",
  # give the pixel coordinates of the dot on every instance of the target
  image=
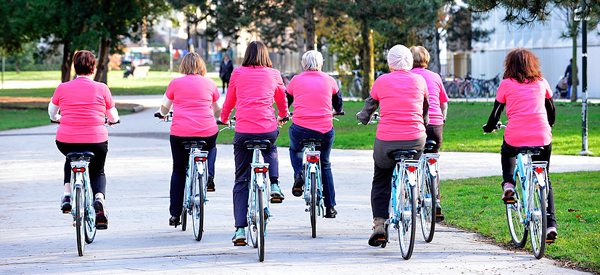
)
(470, 87)
(409, 106)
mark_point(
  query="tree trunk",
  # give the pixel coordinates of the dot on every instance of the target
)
(368, 60)
(17, 67)
(309, 26)
(574, 71)
(65, 68)
(430, 42)
(102, 68)
(300, 36)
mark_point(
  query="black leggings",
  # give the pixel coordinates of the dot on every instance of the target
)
(96, 167)
(509, 161)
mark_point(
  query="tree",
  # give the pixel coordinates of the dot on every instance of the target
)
(16, 26)
(461, 32)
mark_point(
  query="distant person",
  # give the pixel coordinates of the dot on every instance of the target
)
(129, 71)
(225, 71)
(254, 87)
(192, 97)
(531, 114)
(438, 107)
(313, 94)
(83, 106)
(402, 99)
(569, 76)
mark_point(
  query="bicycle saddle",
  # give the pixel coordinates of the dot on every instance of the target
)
(308, 141)
(261, 143)
(194, 144)
(402, 154)
(429, 145)
(75, 156)
(535, 150)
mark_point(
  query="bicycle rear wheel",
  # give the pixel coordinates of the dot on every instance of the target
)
(253, 217)
(537, 221)
(261, 224)
(313, 204)
(427, 205)
(90, 218)
(198, 207)
(79, 222)
(407, 219)
(515, 215)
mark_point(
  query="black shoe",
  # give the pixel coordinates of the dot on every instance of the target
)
(210, 185)
(330, 212)
(438, 214)
(298, 188)
(65, 204)
(101, 214)
(174, 221)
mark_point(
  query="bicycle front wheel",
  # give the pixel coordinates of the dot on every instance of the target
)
(537, 221)
(79, 222)
(407, 221)
(427, 205)
(313, 204)
(515, 215)
(261, 224)
(198, 207)
(90, 218)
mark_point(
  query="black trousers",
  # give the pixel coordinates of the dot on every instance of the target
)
(509, 161)
(434, 132)
(96, 167)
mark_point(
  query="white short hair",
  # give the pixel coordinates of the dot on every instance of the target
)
(312, 61)
(400, 58)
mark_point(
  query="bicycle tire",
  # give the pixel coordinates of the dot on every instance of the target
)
(515, 213)
(427, 206)
(79, 223)
(453, 90)
(261, 225)
(90, 218)
(406, 223)
(313, 204)
(252, 217)
(538, 222)
(184, 219)
(198, 207)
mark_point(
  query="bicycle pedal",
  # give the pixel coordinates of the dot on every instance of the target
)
(550, 241)
(276, 200)
(67, 211)
(509, 201)
(241, 243)
(101, 226)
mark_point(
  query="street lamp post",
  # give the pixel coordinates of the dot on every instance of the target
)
(169, 26)
(584, 122)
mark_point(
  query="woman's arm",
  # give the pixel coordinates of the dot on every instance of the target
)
(365, 115)
(165, 106)
(494, 117)
(444, 107)
(550, 111)
(426, 111)
(337, 102)
(112, 115)
(53, 111)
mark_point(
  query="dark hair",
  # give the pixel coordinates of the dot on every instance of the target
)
(522, 65)
(84, 62)
(257, 55)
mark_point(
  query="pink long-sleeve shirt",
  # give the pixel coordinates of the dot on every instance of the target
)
(251, 92)
(312, 91)
(437, 94)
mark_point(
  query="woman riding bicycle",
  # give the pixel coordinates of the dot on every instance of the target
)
(313, 93)
(192, 97)
(403, 101)
(438, 105)
(84, 106)
(252, 89)
(531, 114)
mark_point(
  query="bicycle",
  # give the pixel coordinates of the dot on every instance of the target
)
(194, 198)
(258, 203)
(427, 190)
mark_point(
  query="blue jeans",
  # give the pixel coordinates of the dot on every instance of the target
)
(298, 133)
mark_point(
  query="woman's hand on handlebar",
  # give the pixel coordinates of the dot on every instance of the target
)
(219, 122)
(282, 120)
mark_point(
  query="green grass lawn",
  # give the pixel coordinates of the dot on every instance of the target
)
(475, 204)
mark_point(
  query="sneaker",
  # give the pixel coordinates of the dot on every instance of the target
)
(174, 221)
(378, 237)
(298, 188)
(330, 212)
(65, 204)
(101, 214)
(210, 185)
(509, 192)
(438, 213)
(551, 234)
(239, 238)
(276, 194)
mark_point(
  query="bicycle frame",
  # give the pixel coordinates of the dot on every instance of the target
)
(527, 170)
(80, 184)
(312, 164)
(403, 177)
(196, 167)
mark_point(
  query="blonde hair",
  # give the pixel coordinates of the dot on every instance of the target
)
(420, 57)
(192, 63)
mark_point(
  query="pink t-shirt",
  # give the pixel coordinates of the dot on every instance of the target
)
(251, 92)
(192, 97)
(526, 111)
(400, 95)
(437, 94)
(312, 92)
(83, 104)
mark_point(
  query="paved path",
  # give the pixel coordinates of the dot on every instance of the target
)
(35, 238)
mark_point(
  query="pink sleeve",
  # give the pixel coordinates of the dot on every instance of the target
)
(215, 95)
(170, 88)
(290, 87)
(333, 84)
(230, 98)
(110, 103)
(280, 98)
(501, 94)
(549, 92)
(56, 96)
(374, 90)
(443, 95)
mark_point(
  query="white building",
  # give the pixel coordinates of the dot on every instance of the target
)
(544, 40)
